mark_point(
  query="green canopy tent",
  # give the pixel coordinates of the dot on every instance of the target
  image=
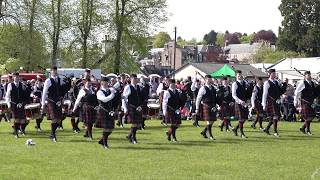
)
(224, 71)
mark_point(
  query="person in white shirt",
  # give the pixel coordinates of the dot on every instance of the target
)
(305, 94)
(105, 111)
(132, 105)
(272, 91)
(239, 94)
(172, 102)
(53, 91)
(164, 85)
(207, 98)
(88, 100)
(16, 99)
(256, 100)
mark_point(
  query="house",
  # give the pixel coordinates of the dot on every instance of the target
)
(243, 52)
(289, 67)
(202, 69)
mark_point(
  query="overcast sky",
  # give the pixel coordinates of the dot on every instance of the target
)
(194, 18)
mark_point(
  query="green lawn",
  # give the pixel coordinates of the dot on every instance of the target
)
(292, 156)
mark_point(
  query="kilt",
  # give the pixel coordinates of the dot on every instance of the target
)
(54, 112)
(172, 118)
(258, 107)
(307, 112)
(104, 120)
(88, 114)
(134, 116)
(17, 113)
(240, 113)
(272, 109)
(208, 114)
(226, 110)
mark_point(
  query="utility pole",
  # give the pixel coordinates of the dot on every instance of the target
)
(174, 50)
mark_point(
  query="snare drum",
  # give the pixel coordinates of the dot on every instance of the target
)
(67, 108)
(153, 107)
(3, 106)
(32, 111)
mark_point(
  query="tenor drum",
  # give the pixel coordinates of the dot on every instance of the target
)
(32, 111)
(153, 107)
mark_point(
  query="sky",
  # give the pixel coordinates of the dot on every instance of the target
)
(195, 18)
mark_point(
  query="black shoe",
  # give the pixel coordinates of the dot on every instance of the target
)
(204, 135)
(86, 135)
(129, 138)
(266, 131)
(168, 136)
(253, 126)
(303, 130)
(118, 123)
(235, 132)
(174, 139)
(53, 138)
(221, 128)
(101, 142)
(196, 124)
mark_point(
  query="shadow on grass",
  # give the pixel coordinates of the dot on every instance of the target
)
(137, 147)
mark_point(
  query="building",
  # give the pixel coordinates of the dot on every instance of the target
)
(202, 69)
(243, 52)
(289, 67)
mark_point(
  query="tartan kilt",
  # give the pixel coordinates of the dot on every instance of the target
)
(54, 112)
(134, 116)
(172, 118)
(17, 113)
(241, 113)
(258, 107)
(207, 114)
(104, 120)
(88, 114)
(272, 109)
(307, 111)
(226, 110)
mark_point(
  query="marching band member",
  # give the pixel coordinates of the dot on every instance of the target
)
(226, 103)
(53, 91)
(131, 104)
(256, 100)
(207, 97)
(304, 98)
(88, 101)
(164, 85)
(272, 90)
(36, 95)
(145, 88)
(72, 96)
(16, 98)
(120, 87)
(105, 111)
(172, 102)
(195, 86)
(239, 94)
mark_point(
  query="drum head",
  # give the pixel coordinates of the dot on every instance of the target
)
(32, 106)
(67, 102)
(153, 106)
(3, 102)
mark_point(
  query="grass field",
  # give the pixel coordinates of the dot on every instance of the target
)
(292, 156)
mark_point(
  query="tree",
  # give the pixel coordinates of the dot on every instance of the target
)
(231, 38)
(220, 39)
(266, 55)
(211, 37)
(245, 39)
(161, 39)
(18, 53)
(300, 26)
(266, 36)
(133, 19)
